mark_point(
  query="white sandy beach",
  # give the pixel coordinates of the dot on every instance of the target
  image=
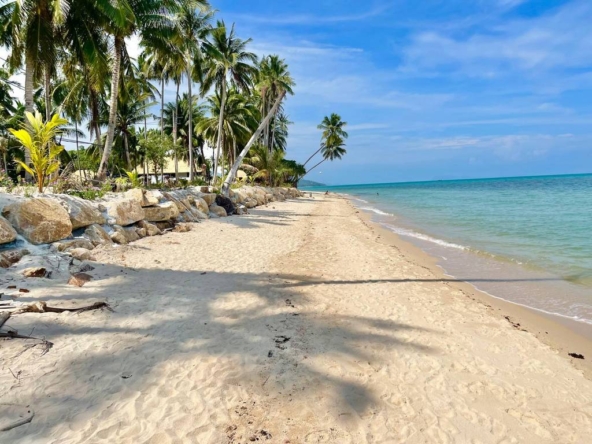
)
(295, 324)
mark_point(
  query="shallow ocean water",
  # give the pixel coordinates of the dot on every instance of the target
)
(527, 240)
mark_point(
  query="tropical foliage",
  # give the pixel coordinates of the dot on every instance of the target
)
(77, 64)
(38, 138)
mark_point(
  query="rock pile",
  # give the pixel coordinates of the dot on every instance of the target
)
(76, 226)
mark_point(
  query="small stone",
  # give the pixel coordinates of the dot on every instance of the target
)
(79, 279)
(35, 272)
(82, 254)
(182, 228)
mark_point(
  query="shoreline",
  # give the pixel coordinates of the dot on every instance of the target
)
(562, 334)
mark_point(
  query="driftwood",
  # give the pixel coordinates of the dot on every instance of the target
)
(42, 307)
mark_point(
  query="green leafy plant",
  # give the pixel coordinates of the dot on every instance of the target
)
(134, 179)
(38, 138)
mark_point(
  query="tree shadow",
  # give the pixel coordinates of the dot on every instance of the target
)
(239, 328)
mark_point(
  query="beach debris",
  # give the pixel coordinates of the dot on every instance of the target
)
(270, 354)
(13, 415)
(42, 307)
(289, 303)
(79, 279)
(24, 290)
(126, 375)
(516, 325)
(576, 355)
(182, 227)
(280, 340)
(36, 272)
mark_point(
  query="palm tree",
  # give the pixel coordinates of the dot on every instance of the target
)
(228, 60)
(331, 149)
(272, 78)
(332, 127)
(240, 115)
(281, 94)
(193, 27)
(154, 21)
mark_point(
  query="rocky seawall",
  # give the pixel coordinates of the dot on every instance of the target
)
(75, 226)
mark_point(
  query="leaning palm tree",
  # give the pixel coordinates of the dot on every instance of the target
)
(239, 117)
(228, 61)
(154, 21)
(272, 78)
(265, 121)
(332, 148)
(332, 127)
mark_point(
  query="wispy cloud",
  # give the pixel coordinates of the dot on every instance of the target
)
(561, 39)
(313, 19)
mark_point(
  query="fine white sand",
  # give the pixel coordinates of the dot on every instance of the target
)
(380, 350)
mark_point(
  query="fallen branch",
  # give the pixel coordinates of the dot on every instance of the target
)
(42, 307)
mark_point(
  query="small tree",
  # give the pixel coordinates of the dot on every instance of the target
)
(157, 147)
(38, 139)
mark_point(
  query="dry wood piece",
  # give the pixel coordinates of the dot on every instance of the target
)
(36, 272)
(42, 307)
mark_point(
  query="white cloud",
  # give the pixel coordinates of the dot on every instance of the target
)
(561, 39)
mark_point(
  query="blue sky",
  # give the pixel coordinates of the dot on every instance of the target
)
(434, 89)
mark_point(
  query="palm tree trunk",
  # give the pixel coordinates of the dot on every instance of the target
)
(220, 126)
(162, 106)
(175, 123)
(29, 100)
(47, 86)
(313, 168)
(127, 154)
(237, 163)
(77, 150)
(175, 145)
(314, 154)
(190, 134)
(118, 47)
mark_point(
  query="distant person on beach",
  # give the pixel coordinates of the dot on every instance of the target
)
(326, 193)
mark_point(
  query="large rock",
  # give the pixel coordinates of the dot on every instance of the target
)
(82, 213)
(225, 203)
(201, 205)
(143, 197)
(210, 198)
(7, 233)
(250, 203)
(124, 212)
(162, 212)
(97, 235)
(40, 220)
(218, 211)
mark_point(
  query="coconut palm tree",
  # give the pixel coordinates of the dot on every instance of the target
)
(240, 115)
(272, 78)
(287, 81)
(154, 21)
(193, 27)
(332, 148)
(333, 132)
(228, 62)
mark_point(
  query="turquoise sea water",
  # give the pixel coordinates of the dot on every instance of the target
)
(527, 240)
